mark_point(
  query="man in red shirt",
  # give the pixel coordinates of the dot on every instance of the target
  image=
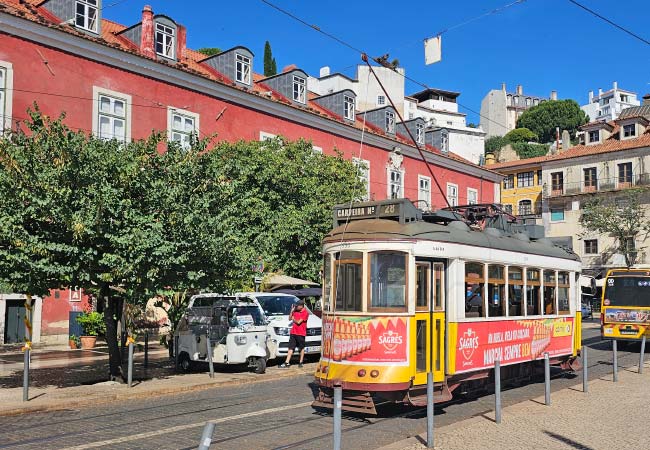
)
(298, 318)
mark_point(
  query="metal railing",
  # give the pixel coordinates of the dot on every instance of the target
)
(597, 185)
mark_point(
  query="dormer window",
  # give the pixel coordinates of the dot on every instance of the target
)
(419, 133)
(629, 130)
(299, 91)
(594, 136)
(165, 41)
(86, 15)
(348, 107)
(444, 141)
(390, 122)
(381, 100)
(243, 69)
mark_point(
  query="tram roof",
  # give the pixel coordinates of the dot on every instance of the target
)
(454, 231)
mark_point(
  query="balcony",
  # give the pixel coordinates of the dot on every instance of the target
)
(599, 185)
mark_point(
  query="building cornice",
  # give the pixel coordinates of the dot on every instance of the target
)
(104, 54)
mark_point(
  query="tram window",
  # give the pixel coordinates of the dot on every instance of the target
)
(515, 291)
(327, 281)
(563, 293)
(348, 281)
(388, 280)
(532, 292)
(439, 286)
(496, 291)
(422, 287)
(421, 346)
(549, 292)
(474, 289)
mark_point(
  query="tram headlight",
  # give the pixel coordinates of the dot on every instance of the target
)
(361, 373)
(374, 373)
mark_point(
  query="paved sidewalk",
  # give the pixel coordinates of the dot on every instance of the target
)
(611, 415)
(51, 397)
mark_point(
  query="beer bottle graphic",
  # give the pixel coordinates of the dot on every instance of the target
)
(337, 341)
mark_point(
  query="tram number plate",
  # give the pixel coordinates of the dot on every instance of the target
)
(313, 349)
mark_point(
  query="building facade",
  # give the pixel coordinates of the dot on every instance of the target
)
(501, 109)
(521, 188)
(122, 82)
(607, 106)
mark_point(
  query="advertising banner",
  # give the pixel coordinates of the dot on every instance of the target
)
(627, 315)
(366, 340)
(480, 344)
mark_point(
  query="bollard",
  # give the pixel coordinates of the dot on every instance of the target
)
(146, 349)
(209, 352)
(497, 391)
(130, 371)
(26, 376)
(338, 402)
(641, 354)
(615, 359)
(430, 410)
(547, 380)
(206, 437)
(585, 378)
(176, 352)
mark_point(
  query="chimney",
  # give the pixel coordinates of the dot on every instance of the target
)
(600, 92)
(146, 41)
(489, 159)
(520, 89)
(646, 99)
(181, 42)
(553, 95)
(615, 85)
(324, 71)
(503, 87)
(591, 96)
(289, 68)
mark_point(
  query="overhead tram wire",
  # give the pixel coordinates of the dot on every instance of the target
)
(612, 23)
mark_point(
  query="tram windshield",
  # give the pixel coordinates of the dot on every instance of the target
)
(627, 291)
(388, 280)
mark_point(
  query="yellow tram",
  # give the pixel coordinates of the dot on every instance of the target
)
(448, 292)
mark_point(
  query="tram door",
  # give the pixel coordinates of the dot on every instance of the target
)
(429, 321)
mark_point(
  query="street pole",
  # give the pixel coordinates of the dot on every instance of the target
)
(130, 371)
(28, 345)
(497, 391)
(146, 349)
(26, 376)
(206, 437)
(585, 378)
(176, 353)
(547, 380)
(338, 403)
(642, 354)
(430, 410)
(209, 351)
(615, 360)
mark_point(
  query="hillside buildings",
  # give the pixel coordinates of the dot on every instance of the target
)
(607, 106)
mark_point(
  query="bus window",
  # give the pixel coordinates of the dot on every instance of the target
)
(474, 289)
(422, 288)
(532, 292)
(627, 290)
(388, 280)
(348, 282)
(496, 291)
(327, 281)
(549, 292)
(563, 293)
(515, 291)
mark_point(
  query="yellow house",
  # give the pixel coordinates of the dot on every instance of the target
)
(521, 189)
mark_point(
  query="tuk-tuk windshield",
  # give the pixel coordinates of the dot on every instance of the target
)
(277, 305)
(239, 316)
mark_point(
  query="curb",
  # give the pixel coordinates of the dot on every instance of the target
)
(106, 398)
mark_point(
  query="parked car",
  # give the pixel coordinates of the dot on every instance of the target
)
(276, 308)
(587, 312)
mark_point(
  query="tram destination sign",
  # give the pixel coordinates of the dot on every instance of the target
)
(401, 209)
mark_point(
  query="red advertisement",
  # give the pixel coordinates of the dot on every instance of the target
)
(480, 344)
(363, 340)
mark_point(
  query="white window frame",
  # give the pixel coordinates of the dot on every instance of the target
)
(452, 200)
(390, 122)
(168, 42)
(424, 193)
(391, 192)
(631, 136)
(186, 137)
(589, 135)
(381, 100)
(264, 136)
(88, 6)
(317, 149)
(475, 192)
(419, 133)
(365, 174)
(99, 92)
(299, 89)
(242, 68)
(348, 107)
(6, 96)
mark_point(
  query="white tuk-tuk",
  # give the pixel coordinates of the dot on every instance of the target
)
(235, 325)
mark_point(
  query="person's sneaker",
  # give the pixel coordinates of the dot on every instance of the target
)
(300, 365)
(284, 366)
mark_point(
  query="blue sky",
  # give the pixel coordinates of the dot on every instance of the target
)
(542, 44)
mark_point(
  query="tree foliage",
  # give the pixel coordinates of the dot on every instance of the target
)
(521, 135)
(495, 143)
(545, 117)
(209, 51)
(623, 218)
(527, 150)
(270, 67)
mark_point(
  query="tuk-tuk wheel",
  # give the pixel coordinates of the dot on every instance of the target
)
(184, 362)
(260, 365)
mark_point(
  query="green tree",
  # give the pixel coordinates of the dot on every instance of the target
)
(495, 143)
(270, 68)
(209, 51)
(623, 218)
(521, 135)
(545, 117)
(527, 150)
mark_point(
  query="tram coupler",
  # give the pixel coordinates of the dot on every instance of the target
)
(574, 363)
(353, 401)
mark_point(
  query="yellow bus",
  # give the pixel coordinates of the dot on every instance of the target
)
(625, 308)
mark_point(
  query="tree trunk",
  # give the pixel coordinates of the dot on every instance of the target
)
(110, 313)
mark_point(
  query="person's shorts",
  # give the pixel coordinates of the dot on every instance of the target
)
(296, 341)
